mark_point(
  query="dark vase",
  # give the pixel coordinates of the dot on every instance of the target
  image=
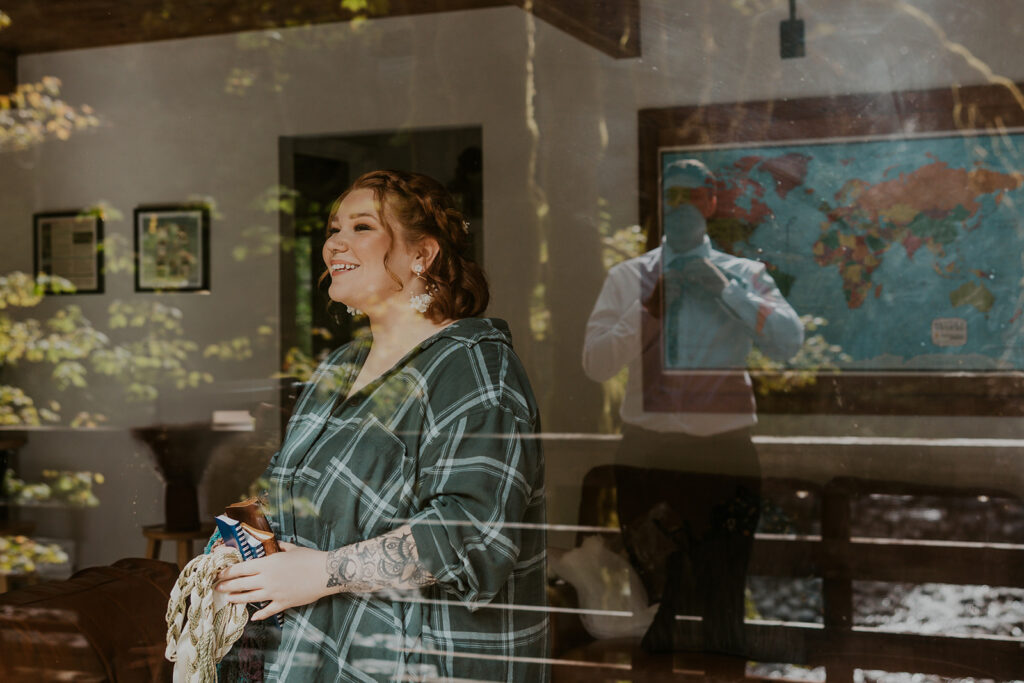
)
(181, 506)
(181, 453)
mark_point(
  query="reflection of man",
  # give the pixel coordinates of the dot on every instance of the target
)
(683, 317)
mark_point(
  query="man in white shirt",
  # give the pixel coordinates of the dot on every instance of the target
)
(683, 318)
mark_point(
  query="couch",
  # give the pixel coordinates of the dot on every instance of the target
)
(101, 624)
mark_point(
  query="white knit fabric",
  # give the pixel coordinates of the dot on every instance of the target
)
(213, 624)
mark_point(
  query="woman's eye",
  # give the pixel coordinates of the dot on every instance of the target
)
(362, 226)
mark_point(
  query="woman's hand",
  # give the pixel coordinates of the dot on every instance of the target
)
(294, 577)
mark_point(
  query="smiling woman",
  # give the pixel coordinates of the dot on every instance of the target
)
(426, 553)
(432, 249)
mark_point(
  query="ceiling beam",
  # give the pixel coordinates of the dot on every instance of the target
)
(612, 26)
(49, 25)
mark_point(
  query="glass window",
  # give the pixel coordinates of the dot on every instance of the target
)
(561, 340)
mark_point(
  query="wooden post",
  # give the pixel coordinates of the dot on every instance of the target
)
(8, 71)
(837, 583)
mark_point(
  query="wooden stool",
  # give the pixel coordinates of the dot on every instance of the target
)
(16, 581)
(156, 534)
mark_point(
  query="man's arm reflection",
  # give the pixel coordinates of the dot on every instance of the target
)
(683, 318)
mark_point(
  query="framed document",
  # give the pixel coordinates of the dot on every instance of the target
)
(68, 244)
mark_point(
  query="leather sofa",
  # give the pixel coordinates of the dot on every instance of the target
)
(101, 624)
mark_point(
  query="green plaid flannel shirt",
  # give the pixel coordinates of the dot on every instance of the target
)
(444, 441)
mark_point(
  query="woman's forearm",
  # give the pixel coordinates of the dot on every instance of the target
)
(387, 561)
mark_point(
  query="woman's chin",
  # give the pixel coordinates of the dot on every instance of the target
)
(339, 296)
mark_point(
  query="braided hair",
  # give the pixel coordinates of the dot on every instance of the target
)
(422, 207)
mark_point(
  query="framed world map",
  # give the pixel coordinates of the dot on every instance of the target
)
(896, 219)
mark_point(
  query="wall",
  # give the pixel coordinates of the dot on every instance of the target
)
(558, 164)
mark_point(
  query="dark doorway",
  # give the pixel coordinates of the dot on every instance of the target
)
(318, 168)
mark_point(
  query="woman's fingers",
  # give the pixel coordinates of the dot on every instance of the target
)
(249, 568)
(258, 595)
(238, 584)
(268, 611)
(288, 579)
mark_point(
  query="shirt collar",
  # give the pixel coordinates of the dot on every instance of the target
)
(468, 331)
(471, 331)
(702, 250)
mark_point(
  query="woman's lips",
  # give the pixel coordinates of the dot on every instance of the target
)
(341, 268)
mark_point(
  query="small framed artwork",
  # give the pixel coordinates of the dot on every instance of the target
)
(68, 244)
(172, 248)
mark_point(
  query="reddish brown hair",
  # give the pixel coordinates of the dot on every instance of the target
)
(422, 207)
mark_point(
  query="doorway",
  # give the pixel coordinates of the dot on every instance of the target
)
(318, 168)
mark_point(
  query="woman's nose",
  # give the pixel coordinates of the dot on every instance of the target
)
(336, 243)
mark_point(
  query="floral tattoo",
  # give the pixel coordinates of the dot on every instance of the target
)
(388, 561)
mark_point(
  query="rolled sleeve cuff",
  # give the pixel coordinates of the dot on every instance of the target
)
(436, 542)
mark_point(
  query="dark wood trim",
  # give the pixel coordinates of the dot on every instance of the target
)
(12, 440)
(73, 24)
(890, 562)
(8, 71)
(864, 393)
(286, 256)
(611, 27)
(956, 110)
(940, 655)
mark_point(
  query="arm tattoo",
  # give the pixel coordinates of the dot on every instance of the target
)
(388, 561)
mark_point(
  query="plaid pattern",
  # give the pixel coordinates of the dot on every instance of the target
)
(444, 442)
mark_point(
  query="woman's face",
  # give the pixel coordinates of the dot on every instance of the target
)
(354, 252)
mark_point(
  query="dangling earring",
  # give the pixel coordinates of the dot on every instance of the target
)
(420, 302)
(353, 311)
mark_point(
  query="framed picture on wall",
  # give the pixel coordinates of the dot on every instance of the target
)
(893, 218)
(172, 248)
(68, 245)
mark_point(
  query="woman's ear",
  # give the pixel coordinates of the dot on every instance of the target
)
(427, 250)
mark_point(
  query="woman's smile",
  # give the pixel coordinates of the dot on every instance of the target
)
(358, 241)
(341, 267)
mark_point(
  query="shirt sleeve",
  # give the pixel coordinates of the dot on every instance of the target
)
(480, 483)
(613, 331)
(759, 305)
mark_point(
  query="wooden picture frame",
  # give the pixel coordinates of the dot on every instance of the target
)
(172, 248)
(981, 118)
(69, 244)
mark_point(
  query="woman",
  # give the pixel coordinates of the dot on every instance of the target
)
(424, 558)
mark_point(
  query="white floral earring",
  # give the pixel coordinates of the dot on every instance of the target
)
(420, 302)
(353, 311)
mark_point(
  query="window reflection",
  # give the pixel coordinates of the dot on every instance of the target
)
(839, 502)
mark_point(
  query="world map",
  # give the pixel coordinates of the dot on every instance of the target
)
(910, 248)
